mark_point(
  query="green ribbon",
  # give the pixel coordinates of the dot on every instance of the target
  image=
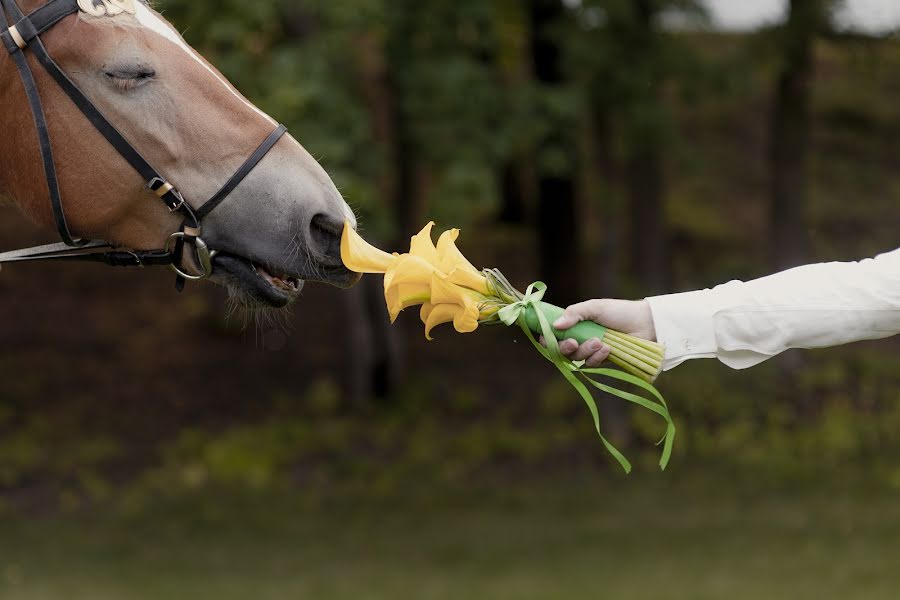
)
(515, 314)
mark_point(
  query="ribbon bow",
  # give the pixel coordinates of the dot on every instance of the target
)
(511, 313)
(517, 313)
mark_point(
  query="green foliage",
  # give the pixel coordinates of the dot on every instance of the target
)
(306, 64)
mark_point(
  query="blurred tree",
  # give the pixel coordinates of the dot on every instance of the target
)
(789, 154)
(627, 61)
(644, 136)
(514, 65)
(559, 226)
(791, 123)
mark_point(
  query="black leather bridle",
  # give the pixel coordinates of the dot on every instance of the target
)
(24, 35)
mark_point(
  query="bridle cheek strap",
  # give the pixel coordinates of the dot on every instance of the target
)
(13, 38)
(25, 34)
(241, 174)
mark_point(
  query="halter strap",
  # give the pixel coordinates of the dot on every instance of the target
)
(37, 22)
(91, 252)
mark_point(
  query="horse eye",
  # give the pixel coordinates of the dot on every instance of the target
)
(128, 78)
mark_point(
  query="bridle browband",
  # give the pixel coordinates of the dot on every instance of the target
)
(24, 35)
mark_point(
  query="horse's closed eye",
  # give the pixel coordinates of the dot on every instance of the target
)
(126, 79)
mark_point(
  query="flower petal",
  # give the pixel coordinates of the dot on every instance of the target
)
(444, 291)
(409, 269)
(421, 245)
(466, 320)
(361, 257)
(402, 296)
(438, 315)
(450, 256)
(467, 279)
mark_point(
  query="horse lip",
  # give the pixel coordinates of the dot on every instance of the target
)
(242, 272)
(332, 273)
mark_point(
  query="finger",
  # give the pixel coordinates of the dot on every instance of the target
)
(598, 358)
(568, 347)
(587, 349)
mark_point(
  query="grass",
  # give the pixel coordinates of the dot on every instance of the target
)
(672, 536)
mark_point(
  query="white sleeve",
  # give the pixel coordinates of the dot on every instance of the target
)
(816, 306)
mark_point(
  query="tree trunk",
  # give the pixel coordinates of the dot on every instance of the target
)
(559, 239)
(790, 136)
(644, 163)
(608, 251)
(513, 193)
(647, 212)
(376, 367)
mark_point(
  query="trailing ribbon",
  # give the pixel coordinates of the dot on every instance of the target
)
(517, 314)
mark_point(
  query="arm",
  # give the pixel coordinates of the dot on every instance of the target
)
(744, 324)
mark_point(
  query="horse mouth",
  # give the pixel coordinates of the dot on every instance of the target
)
(255, 284)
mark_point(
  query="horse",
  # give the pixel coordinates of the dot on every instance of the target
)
(281, 221)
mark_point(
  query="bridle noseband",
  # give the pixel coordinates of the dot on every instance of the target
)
(24, 34)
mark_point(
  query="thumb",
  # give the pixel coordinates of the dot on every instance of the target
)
(570, 318)
(575, 314)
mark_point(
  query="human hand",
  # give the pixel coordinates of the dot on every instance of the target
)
(631, 317)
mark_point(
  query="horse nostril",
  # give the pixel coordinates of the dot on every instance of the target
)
(325, 235)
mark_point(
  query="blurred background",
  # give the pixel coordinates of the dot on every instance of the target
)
(153, 447)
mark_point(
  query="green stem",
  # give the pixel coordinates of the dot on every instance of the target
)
(638, 361)
(650, 349)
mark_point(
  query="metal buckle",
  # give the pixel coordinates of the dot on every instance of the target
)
(164, 188)
(204, 256)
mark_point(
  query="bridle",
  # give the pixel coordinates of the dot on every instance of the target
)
(24, 35)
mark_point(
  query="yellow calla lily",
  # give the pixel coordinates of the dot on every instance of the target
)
(439, 277)
(360, 256)
(405, 295)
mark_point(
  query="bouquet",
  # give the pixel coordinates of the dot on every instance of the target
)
(449, 289)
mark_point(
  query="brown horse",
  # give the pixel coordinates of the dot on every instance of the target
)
(279, 227)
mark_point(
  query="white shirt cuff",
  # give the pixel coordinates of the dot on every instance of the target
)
(684, 325)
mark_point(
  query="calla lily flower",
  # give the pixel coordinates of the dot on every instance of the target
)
(438, 277)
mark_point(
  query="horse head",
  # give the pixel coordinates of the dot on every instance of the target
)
(279, 227)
